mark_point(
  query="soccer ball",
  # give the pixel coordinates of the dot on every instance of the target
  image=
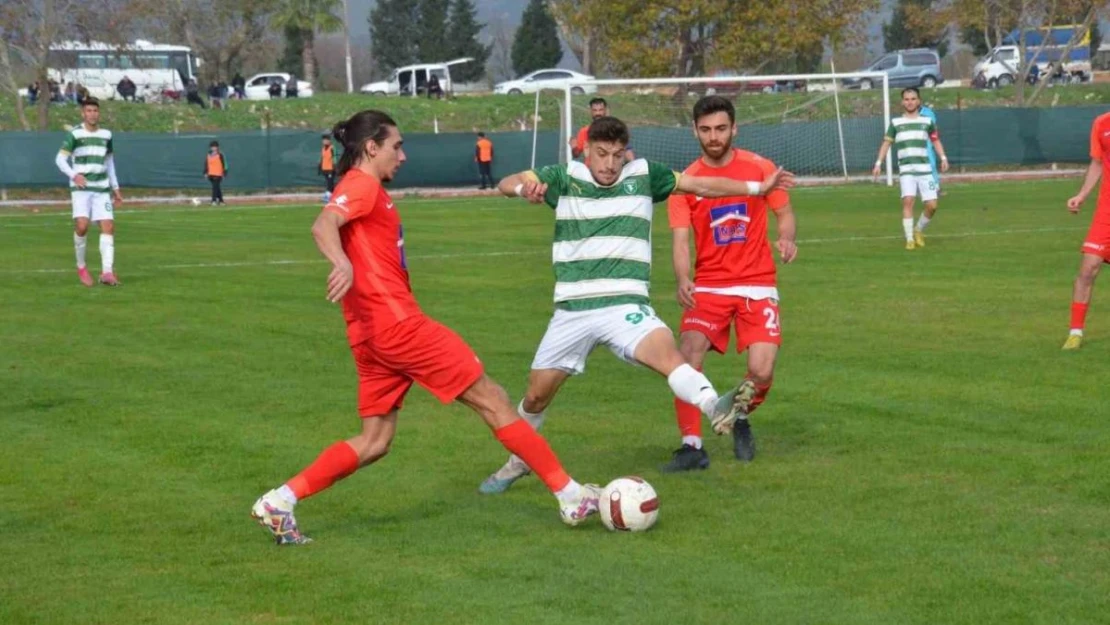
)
(195, 201)
(629, 504)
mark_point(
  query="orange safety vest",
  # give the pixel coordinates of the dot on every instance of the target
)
(485, 150)
(215, 164)
(327, 159)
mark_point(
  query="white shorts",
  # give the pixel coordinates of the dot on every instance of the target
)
(925, 184)
(93, 205)
(571, 336)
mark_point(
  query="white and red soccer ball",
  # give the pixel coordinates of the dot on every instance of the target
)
(629, 504)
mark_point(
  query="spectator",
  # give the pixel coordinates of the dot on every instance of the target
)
(33, 92)
(275, 89)
(327, 165)
(291, 86)
(434, 87)
(214, 96)
(192, 94)
(56, 92)
(126, 89)
(483, 155)
(70, 94)
(239, 84)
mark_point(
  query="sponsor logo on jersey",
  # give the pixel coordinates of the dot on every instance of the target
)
(729, 223)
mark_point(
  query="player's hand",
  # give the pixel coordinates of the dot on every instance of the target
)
(117, 196)
(534, 191)
(1075, 203)
(340, 279)
(80, 181)
(876, 171)
(787, 250)
(943, 165)
(781, 179)
(686, 294)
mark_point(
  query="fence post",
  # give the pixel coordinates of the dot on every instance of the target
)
(960, 127)
(269, 152)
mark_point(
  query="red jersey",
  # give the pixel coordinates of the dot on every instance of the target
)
(1100, 150)
(374, 241)
(579, 143)
(730, 233)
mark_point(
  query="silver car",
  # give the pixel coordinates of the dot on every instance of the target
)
(919, 67)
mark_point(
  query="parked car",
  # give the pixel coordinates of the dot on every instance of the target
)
(1001, 66)
(258, 86)
(545, 79)
(919, 67)
(412, 80)
(759, 85)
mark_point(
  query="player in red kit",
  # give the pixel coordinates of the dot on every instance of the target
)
(1096, 247)
(393, 341)
(734, 275)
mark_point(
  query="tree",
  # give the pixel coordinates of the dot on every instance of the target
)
(292, 57)
(393, 33)
(309, 17)
(462, 33)
(912, 26)
(432, 44)
(501, 51)
(536, 44)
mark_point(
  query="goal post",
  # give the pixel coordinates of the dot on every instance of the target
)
(809, 123)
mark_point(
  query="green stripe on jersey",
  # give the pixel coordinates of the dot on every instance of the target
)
(599, 221)
(911, 140)
(89, 151)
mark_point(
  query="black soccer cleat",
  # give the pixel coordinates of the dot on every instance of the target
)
(743, 443)
(687, 458)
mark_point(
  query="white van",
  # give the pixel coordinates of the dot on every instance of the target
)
(412, 80)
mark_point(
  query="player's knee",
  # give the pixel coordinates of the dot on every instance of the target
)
(692, 353)
(108, 226)
(81, 228)
(536, 401)
(1089, 271)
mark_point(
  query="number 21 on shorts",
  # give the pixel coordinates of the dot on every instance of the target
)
(771, 312)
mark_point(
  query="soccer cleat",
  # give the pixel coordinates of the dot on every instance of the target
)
(503, 478)
(109, 279)
(743, 443)
(731, 405)
(910, 245)
(1075, 341)
(687, 458)
(918, 238)
(276, 514)
(584, 507)
(84, 277)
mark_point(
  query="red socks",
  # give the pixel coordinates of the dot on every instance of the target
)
(761, 391)
(519, 438)
(1078, 315)
(335, 463)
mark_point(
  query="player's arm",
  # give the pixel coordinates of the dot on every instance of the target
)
(326, 233)
(110, 164)
(678, 216)
(788, 232)
(713, 186)
(525, 184)
(1090, 181)
(934, 136)
(888, 140)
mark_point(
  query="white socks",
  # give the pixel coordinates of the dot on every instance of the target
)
(535, 420)
(286, 493)
(79, 246)
(692, 387)
(1076, 332)
(922, 221)
(107, 252)
(691, 440)
(907, 226)
(570, 492)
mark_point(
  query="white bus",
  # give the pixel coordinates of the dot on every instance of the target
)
(99, 67)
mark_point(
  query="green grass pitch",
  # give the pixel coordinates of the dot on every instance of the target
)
(928, 454)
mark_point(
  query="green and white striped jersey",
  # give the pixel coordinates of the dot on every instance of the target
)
(602, 248)
(90, 150)
(911, 136)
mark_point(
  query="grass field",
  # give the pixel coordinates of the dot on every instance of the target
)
(927, 456)
(505, 113)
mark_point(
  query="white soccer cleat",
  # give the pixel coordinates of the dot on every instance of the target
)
(276, 514)
(585, 506)
(731, 406)
(503, 478)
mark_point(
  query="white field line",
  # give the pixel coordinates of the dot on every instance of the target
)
(315, 261)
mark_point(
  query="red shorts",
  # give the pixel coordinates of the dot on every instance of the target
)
(757, 320)
(417, 349)
(1098, 241)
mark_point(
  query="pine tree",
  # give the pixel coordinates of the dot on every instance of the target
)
(432, 45)
(536, 44)
(393, 33)
(462, 33)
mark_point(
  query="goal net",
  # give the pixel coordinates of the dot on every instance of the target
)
(816, 125)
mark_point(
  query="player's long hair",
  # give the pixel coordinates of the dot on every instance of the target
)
(352, 134)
